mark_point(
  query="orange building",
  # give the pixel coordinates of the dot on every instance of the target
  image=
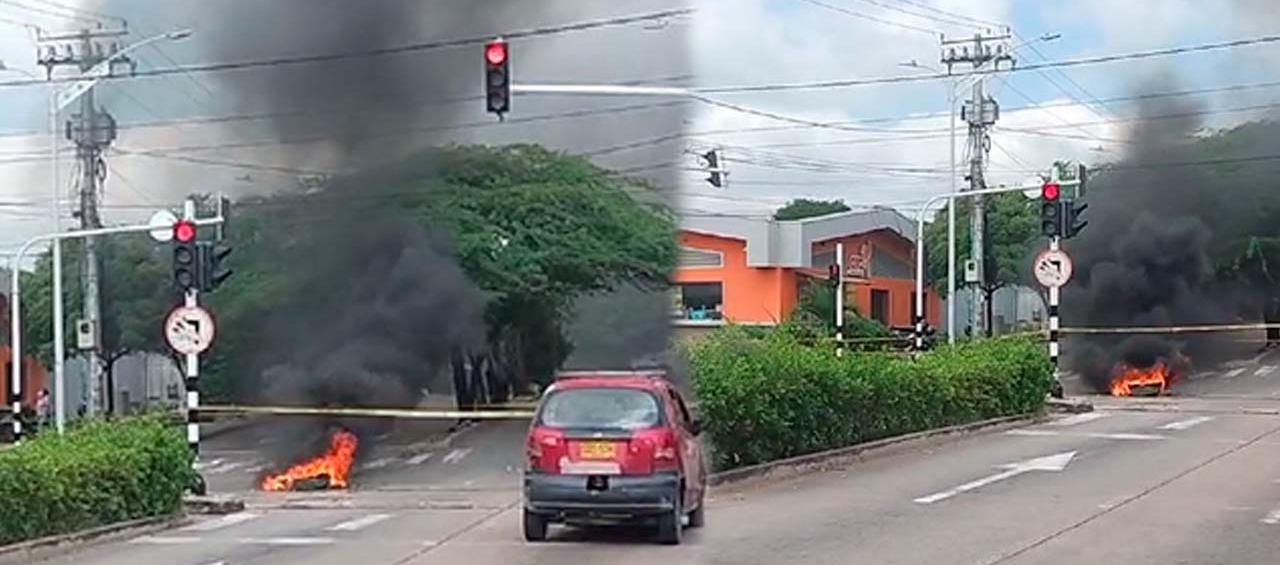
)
(751, 271)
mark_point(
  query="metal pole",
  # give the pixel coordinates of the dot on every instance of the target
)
(15, 349)
(1054, 324)
(951, 228)
(976, 217)
(59, 347)
(193, 391)
(840, 299)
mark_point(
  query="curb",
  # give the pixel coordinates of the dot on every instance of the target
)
(54, 546)
(824, 460)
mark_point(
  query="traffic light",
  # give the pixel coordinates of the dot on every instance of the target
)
(185, 266)
(833, 274)
(1071, 223)
(211, 271)
(717, 177)
(1051, 210)
(497, 77)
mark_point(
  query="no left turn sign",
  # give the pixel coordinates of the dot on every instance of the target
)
(189, 330)
(1052, 268)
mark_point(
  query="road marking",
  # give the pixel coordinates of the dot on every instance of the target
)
(1233, 373)
(1078, 419)
(1055, 462)
(206, 464)
(1186, 424)
(359, 523)
(221, 522)
(456, 455)
(226, 468)
(420, 458)
(1272, 518)
(1098, 435)
(378, 463)
(165, 540)
(286, 541)
(1265, 370)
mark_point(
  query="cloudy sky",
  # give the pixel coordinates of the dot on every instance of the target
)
(875, 144)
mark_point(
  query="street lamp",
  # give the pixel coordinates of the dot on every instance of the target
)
(59, 99)
(952, 97)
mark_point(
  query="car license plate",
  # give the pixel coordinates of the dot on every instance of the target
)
(598, 450)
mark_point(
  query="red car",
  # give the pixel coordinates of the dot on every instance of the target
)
(614, 447)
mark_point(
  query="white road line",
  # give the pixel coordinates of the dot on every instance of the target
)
(206, 464)
(359, 523)
(1273, 518)
(286, 541)
(1099, 435)
(165, 540)
(378, 463)
(226, 468)
(221, 522)
(1078, 419)
(1265, 370)
(456, 455)
(1186, 424)
(420, 458)
(1233, 373)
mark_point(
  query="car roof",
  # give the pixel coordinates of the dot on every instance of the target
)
(647, 380)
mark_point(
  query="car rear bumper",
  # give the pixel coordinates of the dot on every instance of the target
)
(567, 496)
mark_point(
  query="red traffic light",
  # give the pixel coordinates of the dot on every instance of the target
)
(184, 231)
(1050, 191)
(496, 52)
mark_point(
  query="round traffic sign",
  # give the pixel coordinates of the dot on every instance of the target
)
(163, 222)
(189, 329)
(1052, 267)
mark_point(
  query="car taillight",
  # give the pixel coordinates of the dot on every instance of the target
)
(541, 441)
(665, 449)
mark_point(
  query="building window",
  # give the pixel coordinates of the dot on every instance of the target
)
(880, 305)
(701, 301)
(700, 258)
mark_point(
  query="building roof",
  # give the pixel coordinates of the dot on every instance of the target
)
(789, 243)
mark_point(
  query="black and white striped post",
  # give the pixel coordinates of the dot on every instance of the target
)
(15, 390)
(193, 389)
(1054, 324)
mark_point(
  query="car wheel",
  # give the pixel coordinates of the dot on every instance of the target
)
(670, 525)
(535, 527)
(698, 518)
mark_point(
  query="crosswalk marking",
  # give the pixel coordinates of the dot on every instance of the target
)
(1272, 518)
(456, 455)
(420, 458)
(1186, 424)
(206, 464)
(221, 522)
(378, 463)
(225, 468)
(1265, 370)
(1049, 433)
(1233, 373)
(359, 523)
(1078, 419)
(287, 541)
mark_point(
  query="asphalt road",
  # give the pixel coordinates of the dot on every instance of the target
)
(1193, 478)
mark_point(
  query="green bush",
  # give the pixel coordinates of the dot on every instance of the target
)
(776, 397)
(96, 474)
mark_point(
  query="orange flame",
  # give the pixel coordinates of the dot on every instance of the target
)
(1128, 378)
(335, 464)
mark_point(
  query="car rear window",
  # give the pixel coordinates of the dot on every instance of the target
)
(601, 408)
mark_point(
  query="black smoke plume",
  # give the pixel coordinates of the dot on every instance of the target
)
(1161, 220)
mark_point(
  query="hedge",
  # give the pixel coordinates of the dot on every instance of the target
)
(775, 397)
(96, 474)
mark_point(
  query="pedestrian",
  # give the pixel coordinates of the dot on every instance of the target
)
(43, 408)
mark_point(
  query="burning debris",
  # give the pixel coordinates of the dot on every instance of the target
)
(1135, 381)
(328, 471)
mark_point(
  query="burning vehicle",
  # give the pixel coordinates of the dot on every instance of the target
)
(330, 470)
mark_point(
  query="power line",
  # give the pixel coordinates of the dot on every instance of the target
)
(45, 11)
(78, 10)
(871, 18)
(1135, 55)
(386, 51)
(938, 19)
(956, 15)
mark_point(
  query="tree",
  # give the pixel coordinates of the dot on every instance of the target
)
(135, 298)
(801, 208)
(816, 311)
(1013, 231)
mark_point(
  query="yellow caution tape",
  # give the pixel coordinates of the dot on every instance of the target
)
(408, 413)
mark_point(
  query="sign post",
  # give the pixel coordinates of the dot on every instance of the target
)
(1053, 269)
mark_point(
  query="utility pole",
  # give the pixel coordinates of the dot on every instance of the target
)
(980, 112)
(92, 131)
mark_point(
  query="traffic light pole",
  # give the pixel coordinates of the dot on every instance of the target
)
(15, 309)
(1054, 324)
(840, 300)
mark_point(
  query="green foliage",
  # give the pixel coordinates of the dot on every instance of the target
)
(1013, 236)
(777, 397)
(802, 208)
(816, 310)
(96, 474)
